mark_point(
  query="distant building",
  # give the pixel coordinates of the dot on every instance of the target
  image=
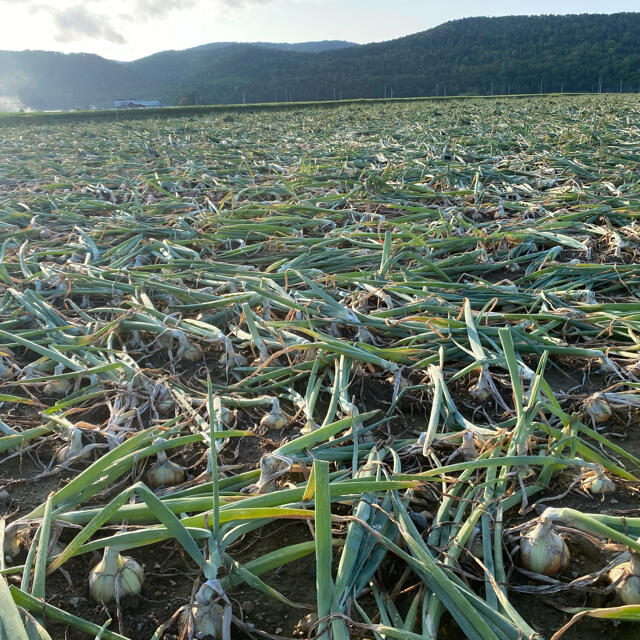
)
(130, 103)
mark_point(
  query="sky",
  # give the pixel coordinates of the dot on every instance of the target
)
(130, 29)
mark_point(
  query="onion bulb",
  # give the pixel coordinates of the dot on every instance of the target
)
(162, 399)
(626, 577)
(12, 541)
(57, 388)
(206, 618)
(474, 544)
(468, 446)
(272, 466)
(165, 405)
(6, 430)
(365, 336)
(227, 416)
(186, 350)
(189, 351)
(310, 426)
(598, 408)
(5, 370)
(275, 418)
(481, 390)
(115, 576)
(543, 551)
(305, 625)
(164, 473)
(72, 448)
(230, 359)
(399, 382)
(598, 483)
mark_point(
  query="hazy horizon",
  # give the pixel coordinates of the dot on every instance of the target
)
(130, 29)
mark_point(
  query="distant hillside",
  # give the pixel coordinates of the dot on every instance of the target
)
(52, 80)
(517, 54)
(166, 69)
(48, 80)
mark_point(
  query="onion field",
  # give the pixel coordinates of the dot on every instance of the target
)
(368, 371)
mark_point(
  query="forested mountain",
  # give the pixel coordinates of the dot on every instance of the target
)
(515, 54)
(168, 68)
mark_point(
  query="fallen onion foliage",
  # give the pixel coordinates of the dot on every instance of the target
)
(389, 311)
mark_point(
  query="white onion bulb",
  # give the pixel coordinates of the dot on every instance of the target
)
(57, 388)
(305, 625)
(189, 351)
(12, 541)
(72, 448)
(275, 418)
(272, 466)
(598, 408)
(5, 370)
(228, 417)
(626, 577)
(163, 472)
(115, 576)
(206, 618)
(481, 390)
(598, 483)
(543, 551)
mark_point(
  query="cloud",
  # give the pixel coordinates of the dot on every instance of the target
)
(148, 10)
(78, 23)
(74, 21)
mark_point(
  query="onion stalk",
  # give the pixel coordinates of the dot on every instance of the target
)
(162, 399)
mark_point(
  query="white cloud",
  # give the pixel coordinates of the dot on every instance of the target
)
(150, 10)
(78, 23)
